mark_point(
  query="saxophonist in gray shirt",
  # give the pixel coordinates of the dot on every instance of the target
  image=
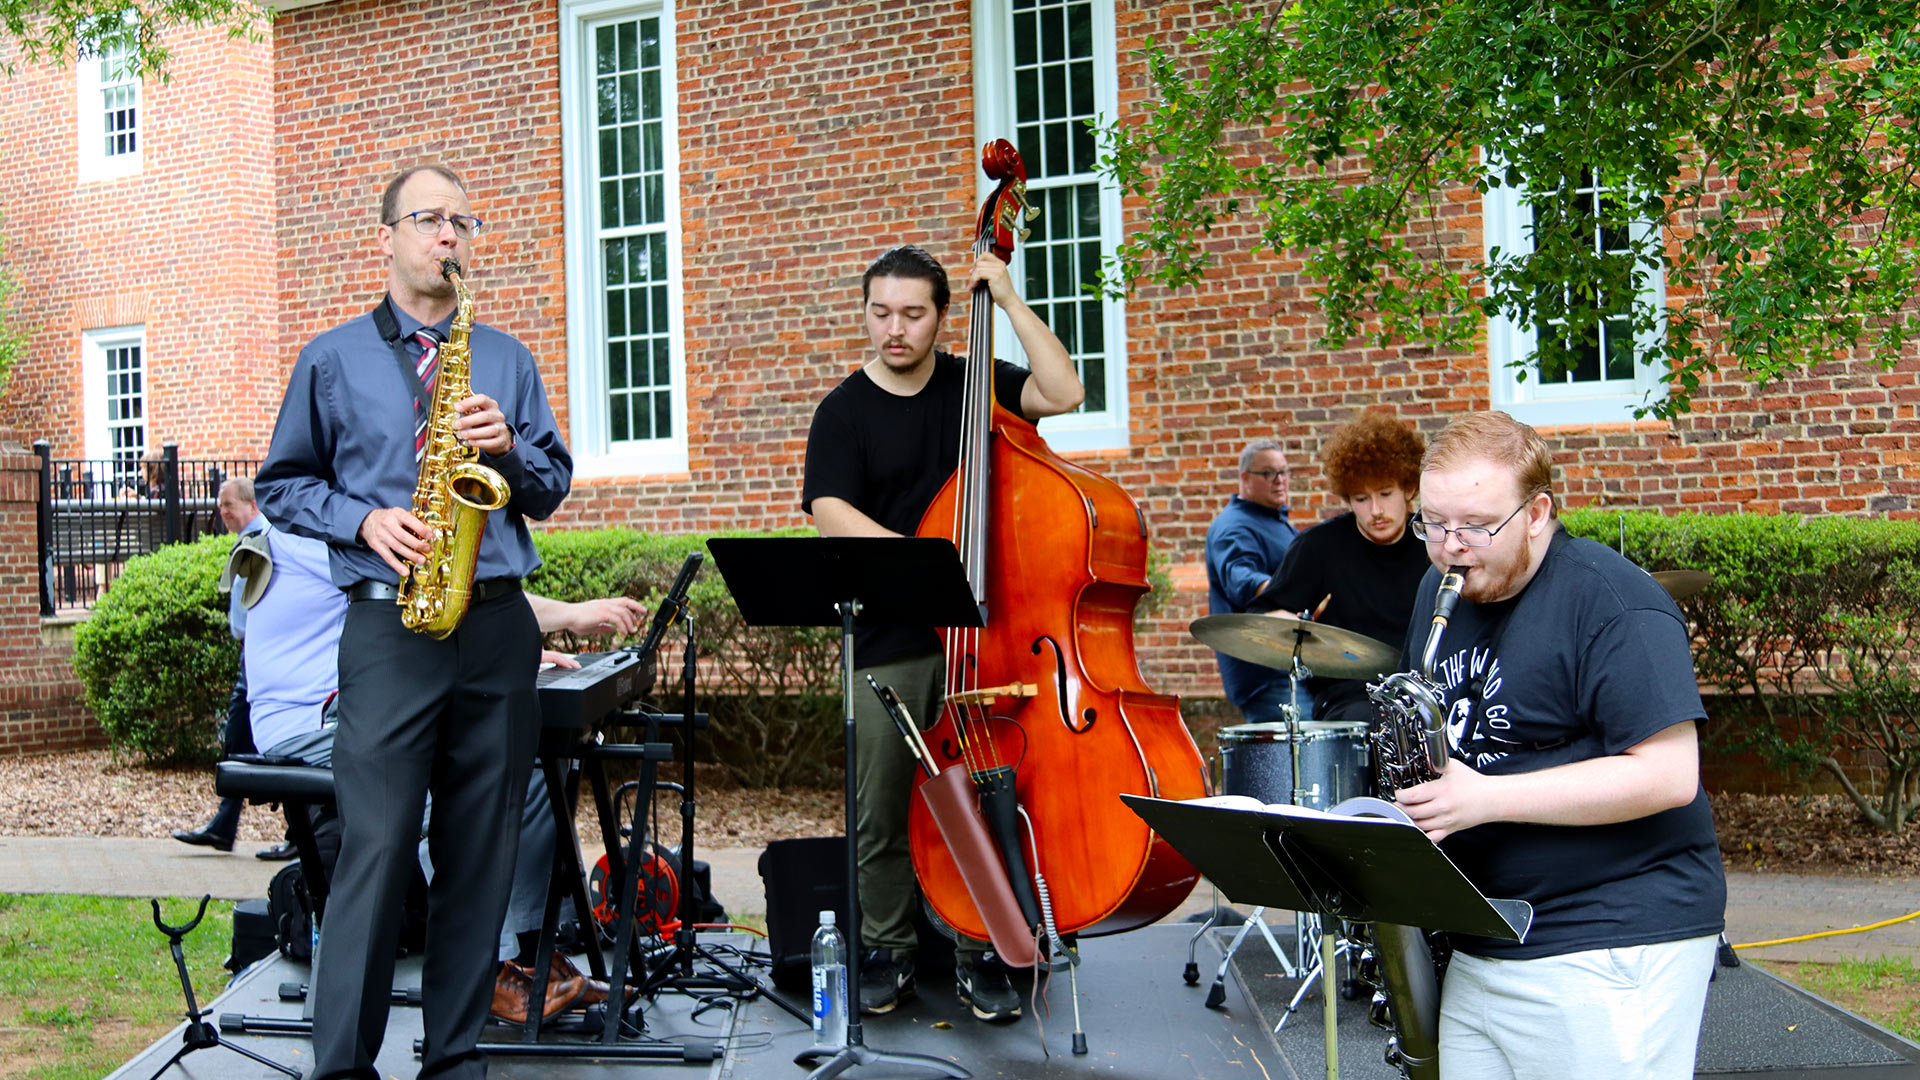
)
(455, 715)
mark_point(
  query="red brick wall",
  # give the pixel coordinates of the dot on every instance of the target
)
(811, 137)
(40, 702)
(185, 247)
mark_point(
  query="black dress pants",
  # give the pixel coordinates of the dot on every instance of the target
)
(460, 717)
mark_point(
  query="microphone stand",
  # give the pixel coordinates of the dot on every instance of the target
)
(685, 947)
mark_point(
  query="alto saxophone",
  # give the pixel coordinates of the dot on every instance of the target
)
(1410, 747)
(454, 493)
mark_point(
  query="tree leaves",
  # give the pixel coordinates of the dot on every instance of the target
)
(63, 31)
(1768, 144)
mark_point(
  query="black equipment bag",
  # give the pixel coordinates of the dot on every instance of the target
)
(803, 877)
(807, 876)
(290, 912)
(252, 935)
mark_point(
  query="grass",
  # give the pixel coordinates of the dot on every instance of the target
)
(1885, 989)
(90, 982)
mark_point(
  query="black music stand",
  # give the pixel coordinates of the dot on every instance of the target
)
(1362, 860)
(822, 581)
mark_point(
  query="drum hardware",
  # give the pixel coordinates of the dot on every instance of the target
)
(1681, 584)
(1303, 649)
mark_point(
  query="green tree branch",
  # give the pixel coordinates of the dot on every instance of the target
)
(1770, 143)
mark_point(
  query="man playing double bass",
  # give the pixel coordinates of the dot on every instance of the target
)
(881, 446)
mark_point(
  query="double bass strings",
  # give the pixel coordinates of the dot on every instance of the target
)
(977, 744)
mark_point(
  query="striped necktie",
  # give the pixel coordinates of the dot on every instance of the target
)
(428, 366)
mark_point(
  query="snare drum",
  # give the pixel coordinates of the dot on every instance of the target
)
(1256, 760)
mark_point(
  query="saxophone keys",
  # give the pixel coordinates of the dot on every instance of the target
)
(1380, 1011)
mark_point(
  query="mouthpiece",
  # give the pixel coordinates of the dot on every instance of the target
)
(1443, 601)
(1449, 594)
(449, 268)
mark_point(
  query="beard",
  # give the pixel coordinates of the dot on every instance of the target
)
(1490, 583)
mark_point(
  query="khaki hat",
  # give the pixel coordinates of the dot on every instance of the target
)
(251, 559)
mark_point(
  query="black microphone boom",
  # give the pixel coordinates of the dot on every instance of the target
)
(673, 604)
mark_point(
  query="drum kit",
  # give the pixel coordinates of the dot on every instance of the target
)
(1303, 762)
(1317, 764)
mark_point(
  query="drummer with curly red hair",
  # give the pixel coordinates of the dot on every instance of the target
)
(1364, 566)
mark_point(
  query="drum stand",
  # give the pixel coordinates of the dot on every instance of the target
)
(1312, 965)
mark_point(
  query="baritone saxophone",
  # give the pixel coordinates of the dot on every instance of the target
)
(455, 493)
(1404, 963)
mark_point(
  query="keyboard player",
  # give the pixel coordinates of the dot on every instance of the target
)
(292, 671)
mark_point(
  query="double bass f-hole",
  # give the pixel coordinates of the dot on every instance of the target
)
(1067, 719)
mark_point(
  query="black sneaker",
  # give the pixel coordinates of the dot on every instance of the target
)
(884, 981)
(983, 986)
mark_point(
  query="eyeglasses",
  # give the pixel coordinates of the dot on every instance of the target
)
(428, 222)
(1269, 475)
(1470, 535)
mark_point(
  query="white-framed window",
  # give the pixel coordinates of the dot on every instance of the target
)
(620, 137)
(107, 105)
(1612, 377)
(113, 372)
(1042, 69)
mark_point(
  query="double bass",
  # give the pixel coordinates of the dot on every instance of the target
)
(1046, 700)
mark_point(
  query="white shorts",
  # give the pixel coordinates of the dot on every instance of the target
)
(1605, 1013)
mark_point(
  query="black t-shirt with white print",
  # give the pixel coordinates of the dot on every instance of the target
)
(1592, 659)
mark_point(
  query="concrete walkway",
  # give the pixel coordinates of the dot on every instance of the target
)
(1760, 907)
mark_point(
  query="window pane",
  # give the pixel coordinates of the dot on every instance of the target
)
(616, 318)
(605, 51)
(1028, 143)
(629, 149)
(1056, 160)
(1093, 373)
(1053, 33)
(617, 365)
(632, 202)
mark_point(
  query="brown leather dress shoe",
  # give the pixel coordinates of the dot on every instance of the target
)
(592, 990)
(513, 988)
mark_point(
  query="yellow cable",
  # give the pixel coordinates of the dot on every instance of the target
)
(1829, 933)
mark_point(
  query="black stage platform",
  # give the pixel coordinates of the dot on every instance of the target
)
(1142, 1021)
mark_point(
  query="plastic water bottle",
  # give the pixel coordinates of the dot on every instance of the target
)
(829, 984)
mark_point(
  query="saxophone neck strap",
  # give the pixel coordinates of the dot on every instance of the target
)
(388, 324)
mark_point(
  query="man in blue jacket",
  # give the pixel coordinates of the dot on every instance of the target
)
(1245, 544)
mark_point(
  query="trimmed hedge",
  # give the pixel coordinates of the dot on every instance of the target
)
(1813, 624)
(156, 659)
(158, 664)
(772, 693)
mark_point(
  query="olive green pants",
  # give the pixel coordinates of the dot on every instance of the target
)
(884, 770)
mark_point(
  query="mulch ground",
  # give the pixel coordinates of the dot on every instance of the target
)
(91, 793)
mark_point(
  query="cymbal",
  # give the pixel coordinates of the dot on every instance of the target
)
(1681, 584)
(1268, 640)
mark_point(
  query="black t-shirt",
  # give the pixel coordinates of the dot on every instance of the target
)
(1373, 588)
(888, 456)
(1592, 660)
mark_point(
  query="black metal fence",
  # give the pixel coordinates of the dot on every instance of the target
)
(95, 514)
